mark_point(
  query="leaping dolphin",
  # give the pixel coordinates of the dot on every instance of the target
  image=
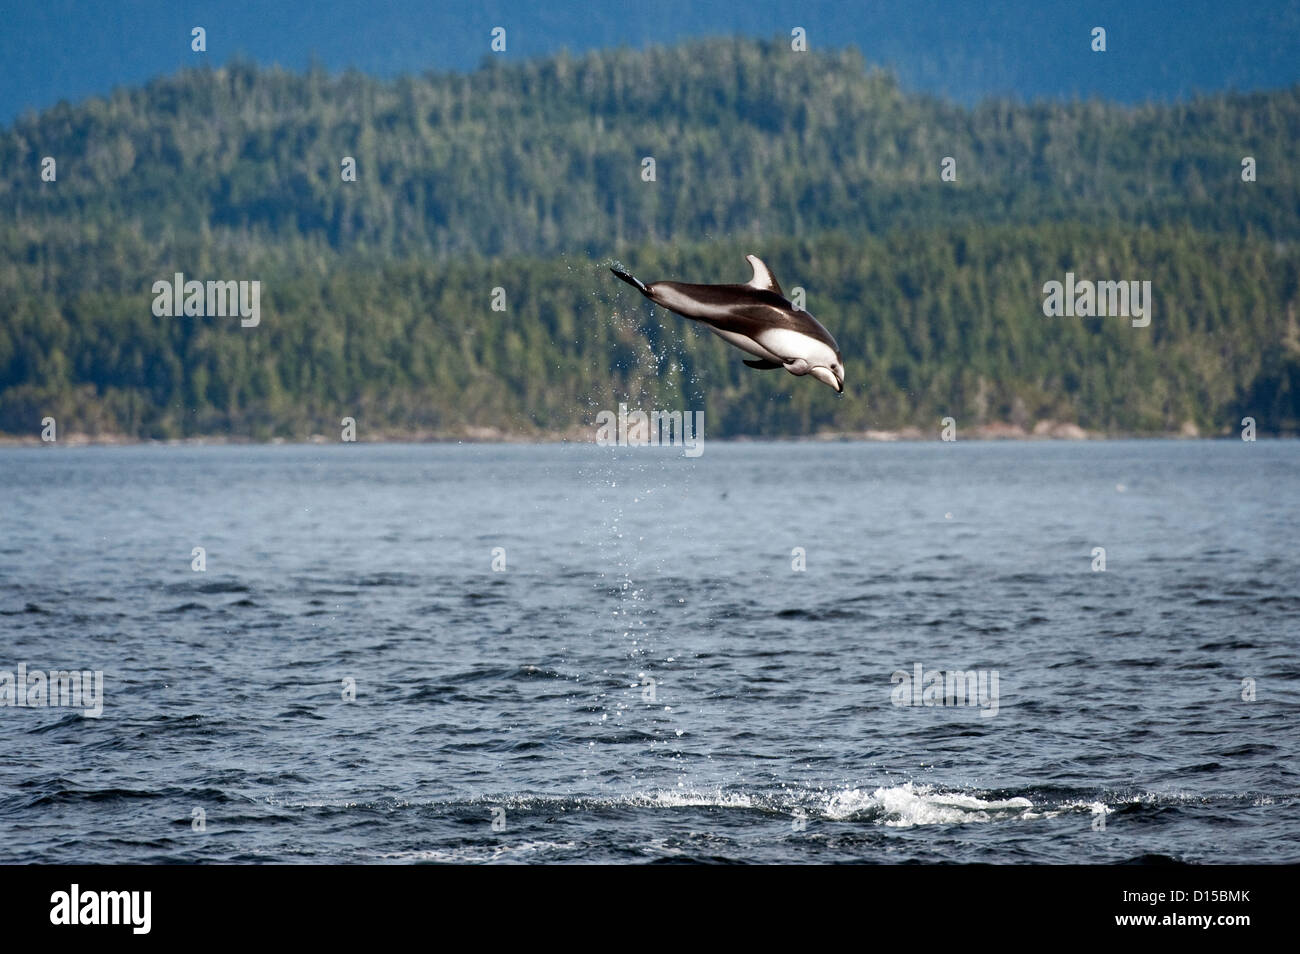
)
(757, 318)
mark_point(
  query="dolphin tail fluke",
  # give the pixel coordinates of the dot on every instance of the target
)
(631, 279)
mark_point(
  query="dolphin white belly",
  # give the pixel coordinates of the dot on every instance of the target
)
(747, 344)
(787, 344)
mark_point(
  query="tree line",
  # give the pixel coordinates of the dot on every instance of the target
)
(378, 292)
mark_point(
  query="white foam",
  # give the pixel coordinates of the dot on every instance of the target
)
(902, 806)
(685, 798)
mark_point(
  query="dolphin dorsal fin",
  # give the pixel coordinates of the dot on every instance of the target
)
(763, 277)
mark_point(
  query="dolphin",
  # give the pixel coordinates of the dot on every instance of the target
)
(757, 318)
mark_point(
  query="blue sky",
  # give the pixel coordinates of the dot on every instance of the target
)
(57, 49)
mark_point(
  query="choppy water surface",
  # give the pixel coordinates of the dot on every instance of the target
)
(648, 678)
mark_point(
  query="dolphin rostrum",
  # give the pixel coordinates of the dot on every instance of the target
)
(757, 318)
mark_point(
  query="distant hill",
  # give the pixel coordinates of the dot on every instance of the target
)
(377, 292)
(1157, 50)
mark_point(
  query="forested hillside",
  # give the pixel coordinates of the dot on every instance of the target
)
(377, 293)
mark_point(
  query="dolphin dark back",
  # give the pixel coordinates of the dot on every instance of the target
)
(723, 295)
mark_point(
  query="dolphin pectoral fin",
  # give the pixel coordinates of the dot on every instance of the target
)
(763, 364)
(763, 277)
(631, 279)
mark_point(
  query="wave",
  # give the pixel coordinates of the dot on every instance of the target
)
(899, 806)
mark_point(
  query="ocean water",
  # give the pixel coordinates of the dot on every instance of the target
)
(647, 675)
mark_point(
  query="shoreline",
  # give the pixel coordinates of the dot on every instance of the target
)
(1044, 431)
